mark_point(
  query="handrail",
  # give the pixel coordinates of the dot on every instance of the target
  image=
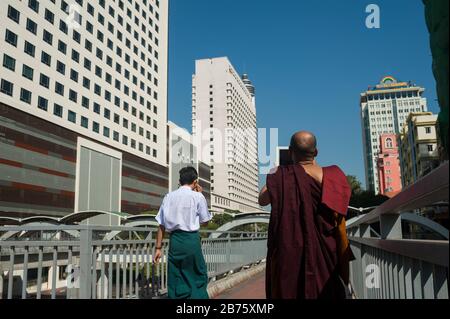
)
(429, 190)
(97, 228)
(431, 251)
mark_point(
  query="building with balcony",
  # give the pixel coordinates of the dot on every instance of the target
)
(83, 106)
(384, 109)
(418, 147)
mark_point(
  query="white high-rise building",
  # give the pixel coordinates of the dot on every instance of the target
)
(96, 69)
(224, 126)
(385, 109)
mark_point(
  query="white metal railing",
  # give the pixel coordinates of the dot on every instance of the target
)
(83, 262)
(387, 265)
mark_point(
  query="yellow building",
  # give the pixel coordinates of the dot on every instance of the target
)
(418, 147)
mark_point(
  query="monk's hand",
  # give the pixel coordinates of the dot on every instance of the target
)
(157, 256)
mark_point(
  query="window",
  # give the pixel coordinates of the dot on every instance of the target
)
(58, 110)
(64, 6)
(46, 59)
(62, 47)
(76, 36)
(86, 83)
(76, 56)
(389, 143)
(11, 37)
(73, 96)
(428, 130)
(61, 67)
(13, 14)
(98, 71)
(63, 27)
(96, 108)
(48, 37)
(31, 26)
(49, 16)
(84, 122)
(42, 103)
(430, 148)
(106, 131)
(74, 75)
(59, 88)
(71, 117)
(97, 90)
(6, 87)
(87, 64)
(9, 62)
(25, 96)
(34, 5)
(89, 27)
(96, 127)
(29, 49)
(44, 81)
(27, 72)
(85, 102)
(88, 45)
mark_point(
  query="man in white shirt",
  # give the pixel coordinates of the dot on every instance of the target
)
(181, 214)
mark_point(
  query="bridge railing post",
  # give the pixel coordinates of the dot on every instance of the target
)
(85, 263)
(1, 282)
(229, 252)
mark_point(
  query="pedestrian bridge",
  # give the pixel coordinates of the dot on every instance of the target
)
(399, 253)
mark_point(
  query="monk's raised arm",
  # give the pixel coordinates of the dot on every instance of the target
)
(264, 197)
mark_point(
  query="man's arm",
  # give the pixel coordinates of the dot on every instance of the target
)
(264, 197)
(203, 212)
(161, 231)
(159, 239)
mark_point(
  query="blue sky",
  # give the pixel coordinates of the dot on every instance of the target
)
(309, 61)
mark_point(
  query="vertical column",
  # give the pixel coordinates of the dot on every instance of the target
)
(85, 263)
(1, 282)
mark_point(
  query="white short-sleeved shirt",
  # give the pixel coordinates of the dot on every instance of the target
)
(183, 210)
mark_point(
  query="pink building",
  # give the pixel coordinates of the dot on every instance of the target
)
(388, 166)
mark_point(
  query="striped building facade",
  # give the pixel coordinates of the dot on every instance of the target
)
(38, 170)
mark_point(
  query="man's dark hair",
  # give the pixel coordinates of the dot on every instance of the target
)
(188, 175)
(304, 145)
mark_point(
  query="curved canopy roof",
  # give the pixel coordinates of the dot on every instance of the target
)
(71, 219)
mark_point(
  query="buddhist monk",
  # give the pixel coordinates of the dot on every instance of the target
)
(308, 250)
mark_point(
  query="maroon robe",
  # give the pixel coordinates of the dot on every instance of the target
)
(302, 258)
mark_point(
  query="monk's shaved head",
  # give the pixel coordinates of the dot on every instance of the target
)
(304, 145)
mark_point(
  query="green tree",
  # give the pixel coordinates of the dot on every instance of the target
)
(355, 184)
(363, 198)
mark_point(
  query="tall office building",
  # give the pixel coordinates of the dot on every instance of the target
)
(83, 106)
(384, 109)
(224, 127)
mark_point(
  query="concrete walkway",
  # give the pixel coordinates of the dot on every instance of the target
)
(253, 288)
